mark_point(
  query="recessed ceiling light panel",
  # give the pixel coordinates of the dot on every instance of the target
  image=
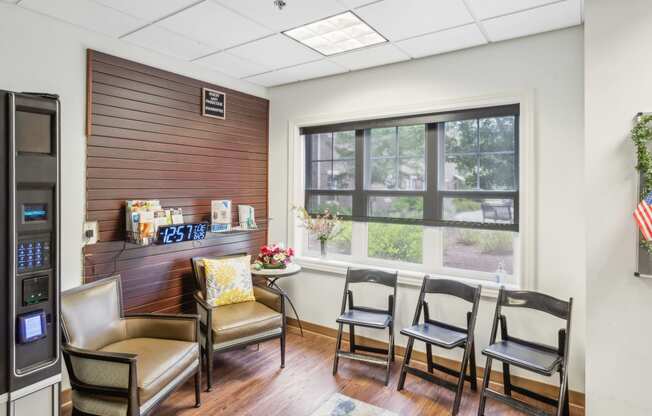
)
(336, 34)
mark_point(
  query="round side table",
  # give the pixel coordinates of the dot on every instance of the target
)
(272, 275)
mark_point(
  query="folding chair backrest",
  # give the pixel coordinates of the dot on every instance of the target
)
(372, 276)
(451, 287)
(537, 301)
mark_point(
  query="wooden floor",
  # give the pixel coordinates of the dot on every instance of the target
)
(250, 383)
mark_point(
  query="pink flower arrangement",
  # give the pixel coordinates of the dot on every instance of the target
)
(274, 257)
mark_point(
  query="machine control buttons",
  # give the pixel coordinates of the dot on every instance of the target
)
(32, 255)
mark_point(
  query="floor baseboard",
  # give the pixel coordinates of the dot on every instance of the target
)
(577, 399)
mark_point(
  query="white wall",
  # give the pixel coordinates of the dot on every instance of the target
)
(550, 66)
(38, 53)
(619, 305)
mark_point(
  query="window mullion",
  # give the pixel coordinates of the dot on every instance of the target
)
(359, 241)
(359, 198)
(431, 201)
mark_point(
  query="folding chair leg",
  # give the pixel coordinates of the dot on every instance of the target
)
(429, 357)
(563, 406)
(461, 380)
(389, 357)
(507, 380)
(485, 384)
(351, 338)
(338, 344)
(392, 347)
(474, 370)
(406, 362)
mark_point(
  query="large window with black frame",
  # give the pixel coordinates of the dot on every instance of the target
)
(436, 193)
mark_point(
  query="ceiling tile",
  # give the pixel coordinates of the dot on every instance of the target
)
(9, 1)
(484, 9)
(443, 41)
(295, 13)
(400, 19)
(276, 51)
(87, 14)
(352, 4)
(149, 10)
(168, 43)
(297, 73)
(541, 19)
(232, 65)
(368, 57)
(214, 25)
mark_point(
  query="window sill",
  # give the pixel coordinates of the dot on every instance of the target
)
(405, 277)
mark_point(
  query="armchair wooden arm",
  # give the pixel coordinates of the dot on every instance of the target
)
(103, 373)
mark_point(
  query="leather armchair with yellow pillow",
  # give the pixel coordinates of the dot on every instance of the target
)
(124, 365)
(233, 311)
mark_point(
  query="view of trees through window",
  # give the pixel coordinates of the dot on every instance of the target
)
(476, 171)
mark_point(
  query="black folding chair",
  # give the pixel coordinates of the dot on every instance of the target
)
(531, 356)
(443, 335)
(367, 317)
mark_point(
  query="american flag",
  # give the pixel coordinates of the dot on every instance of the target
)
(643, 217)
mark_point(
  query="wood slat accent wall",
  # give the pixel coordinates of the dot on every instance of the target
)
(147, 139)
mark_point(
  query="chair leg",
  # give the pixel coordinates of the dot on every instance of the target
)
(507, 380)
(473, 370)
(209, 371)
(461, 380)
(392, 348)
(406, 362)
(198, 387)
(351, 338)
(563, 406)
(338, 344)
(485, 384)
(429, 357)
(389, 357)
(283, 350)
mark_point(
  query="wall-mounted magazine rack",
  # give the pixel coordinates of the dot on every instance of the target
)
(643, 257)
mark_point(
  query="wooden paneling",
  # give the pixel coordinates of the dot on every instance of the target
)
(146, 139)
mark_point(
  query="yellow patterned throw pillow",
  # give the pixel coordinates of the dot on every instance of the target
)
(228, 281)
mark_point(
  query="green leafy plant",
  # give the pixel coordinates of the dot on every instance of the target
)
(641, 136)
(396, 242)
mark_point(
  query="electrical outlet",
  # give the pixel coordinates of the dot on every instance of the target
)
(91, 232)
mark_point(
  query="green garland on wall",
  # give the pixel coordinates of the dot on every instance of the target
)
(641, 136)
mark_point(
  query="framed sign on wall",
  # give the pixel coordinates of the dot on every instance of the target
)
(213, 103)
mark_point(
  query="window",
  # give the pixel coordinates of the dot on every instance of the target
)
(435, 192)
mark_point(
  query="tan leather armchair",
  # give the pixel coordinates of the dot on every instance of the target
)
(124, 365)
(229, 327)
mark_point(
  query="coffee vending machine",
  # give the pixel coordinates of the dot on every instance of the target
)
(29, 254)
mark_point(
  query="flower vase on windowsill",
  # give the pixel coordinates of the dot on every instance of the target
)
(322, 247)
(322, 226)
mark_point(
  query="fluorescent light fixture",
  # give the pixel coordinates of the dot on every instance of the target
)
(341, 33)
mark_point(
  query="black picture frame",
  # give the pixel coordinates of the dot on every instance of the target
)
(213, 103)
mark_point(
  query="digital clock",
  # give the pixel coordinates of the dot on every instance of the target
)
(181, 232)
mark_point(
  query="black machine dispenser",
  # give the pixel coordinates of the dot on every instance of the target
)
(29, 251)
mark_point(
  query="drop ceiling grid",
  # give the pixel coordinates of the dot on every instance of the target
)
(240, 37)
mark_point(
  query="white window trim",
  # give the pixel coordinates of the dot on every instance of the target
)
(524, 253)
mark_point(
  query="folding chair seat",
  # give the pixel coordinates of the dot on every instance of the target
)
(538, 358)
(445, 336)
(367, 317)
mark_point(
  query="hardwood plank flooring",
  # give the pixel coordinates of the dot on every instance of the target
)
(250, 383)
